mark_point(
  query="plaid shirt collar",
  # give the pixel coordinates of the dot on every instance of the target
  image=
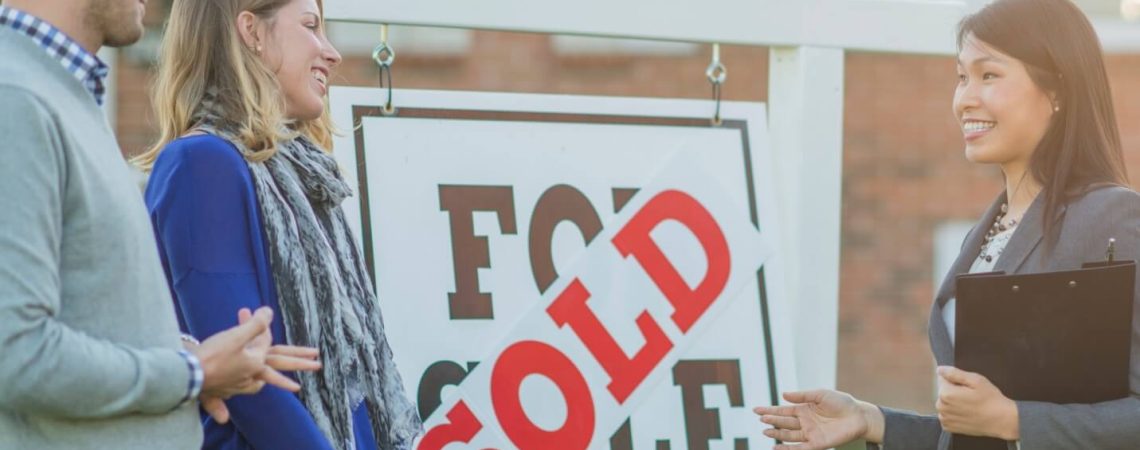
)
(86, 68)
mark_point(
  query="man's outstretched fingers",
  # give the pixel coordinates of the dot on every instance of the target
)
(292, 364)
(277, 379)
(295, 351)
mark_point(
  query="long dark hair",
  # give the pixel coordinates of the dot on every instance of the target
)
(1057, 44)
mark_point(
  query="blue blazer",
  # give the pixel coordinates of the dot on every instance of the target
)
(206, 219)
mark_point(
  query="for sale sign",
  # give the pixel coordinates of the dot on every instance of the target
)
(570, 272)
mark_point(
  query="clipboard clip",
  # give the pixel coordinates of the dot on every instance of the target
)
(1110, 254)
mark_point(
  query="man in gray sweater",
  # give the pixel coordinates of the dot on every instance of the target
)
(90, 355)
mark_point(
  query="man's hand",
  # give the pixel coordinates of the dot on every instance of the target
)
(233, 359)
(282, 358)
(241, 360)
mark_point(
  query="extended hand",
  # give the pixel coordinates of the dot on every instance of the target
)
(821, 419)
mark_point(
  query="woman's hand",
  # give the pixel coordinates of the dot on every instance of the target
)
(970, 404)
(821, 419)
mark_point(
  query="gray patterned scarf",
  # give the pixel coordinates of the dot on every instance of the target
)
(324, 292)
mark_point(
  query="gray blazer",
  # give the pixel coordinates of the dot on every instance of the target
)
(88, 336)
(1085, 226)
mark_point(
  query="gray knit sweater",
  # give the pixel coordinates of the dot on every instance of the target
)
(88, 335)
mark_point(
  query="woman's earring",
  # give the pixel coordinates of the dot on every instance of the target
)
(258, 49)
(1056, 108)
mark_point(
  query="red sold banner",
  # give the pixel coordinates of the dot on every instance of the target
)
(566, 341)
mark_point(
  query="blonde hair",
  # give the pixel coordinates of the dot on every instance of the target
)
(202, 50)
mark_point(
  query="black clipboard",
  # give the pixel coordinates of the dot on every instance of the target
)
(1059, 337)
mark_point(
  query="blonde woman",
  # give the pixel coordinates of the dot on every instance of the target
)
(245, 203)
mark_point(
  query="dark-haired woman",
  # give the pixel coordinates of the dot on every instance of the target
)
(1032, 98)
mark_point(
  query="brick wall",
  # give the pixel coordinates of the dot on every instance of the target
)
(904, 171)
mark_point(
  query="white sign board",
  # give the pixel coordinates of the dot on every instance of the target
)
(912, 26)
(572, 272)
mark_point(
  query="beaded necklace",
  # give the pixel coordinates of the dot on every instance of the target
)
(996, 229)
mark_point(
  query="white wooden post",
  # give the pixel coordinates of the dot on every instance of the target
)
(805, 100)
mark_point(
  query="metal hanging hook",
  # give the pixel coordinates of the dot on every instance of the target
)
(717, 74)
(384, 55)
